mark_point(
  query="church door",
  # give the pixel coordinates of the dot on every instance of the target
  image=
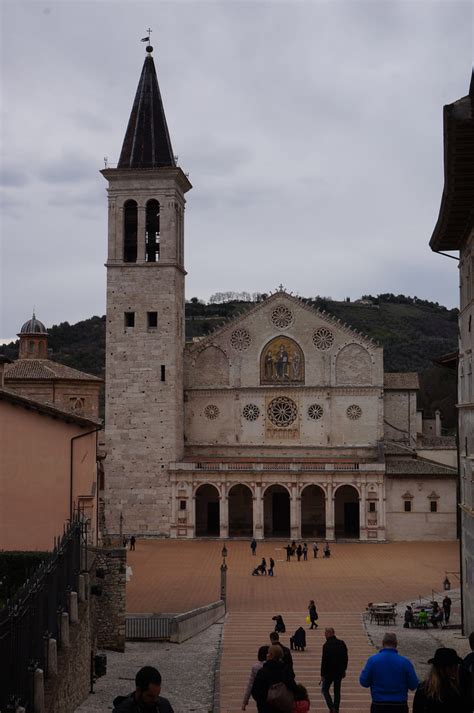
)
(276, 511)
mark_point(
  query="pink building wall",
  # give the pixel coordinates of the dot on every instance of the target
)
(35, 457)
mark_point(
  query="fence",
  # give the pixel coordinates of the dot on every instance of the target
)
(33, 616)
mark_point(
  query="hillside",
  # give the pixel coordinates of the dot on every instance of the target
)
(413, 333)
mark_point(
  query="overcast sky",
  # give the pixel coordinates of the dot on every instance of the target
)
(312, 133)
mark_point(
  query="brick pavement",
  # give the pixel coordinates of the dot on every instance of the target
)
(174, 576)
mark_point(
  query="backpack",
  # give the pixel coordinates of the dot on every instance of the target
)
(279, 698)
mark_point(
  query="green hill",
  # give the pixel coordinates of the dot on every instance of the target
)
(413, 333)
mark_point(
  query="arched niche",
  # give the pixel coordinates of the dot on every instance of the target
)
(313, 512)
(346, 512)
(240, 511)
(207, 511)
(276, 511)
(211, 368)
(282, 362)
(353, 365)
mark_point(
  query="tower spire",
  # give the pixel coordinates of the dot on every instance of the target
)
(147, 142)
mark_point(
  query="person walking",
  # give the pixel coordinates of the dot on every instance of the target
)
(299, 552)
(440, 692)
(132, 543)
(389, 677)
(333, 668)
(315, 550)
(305, 552)
(146, 696)
(446, 604)
(327, 550)
(263, 566)
(286, 653)
(261, 658)
(271, 567)
(313, 614)
(289, 552)
(253, 546)
(273, 672)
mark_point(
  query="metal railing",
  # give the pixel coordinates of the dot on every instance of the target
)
(147, 627)
(33, 616)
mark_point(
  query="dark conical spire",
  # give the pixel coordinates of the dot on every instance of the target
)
(471, 86)
(147, 142)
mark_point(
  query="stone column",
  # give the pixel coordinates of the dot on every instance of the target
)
(141, 227)
(73, 608)
(52, 657)
(192, 516)
(65, 629)
(113, 253)
(381, 515)
(295, 513)
(258, 513)
(363, 511)
(330, 512)
(224, 513)
(38, 701)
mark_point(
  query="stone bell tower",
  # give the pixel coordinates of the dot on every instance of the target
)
(145, 319)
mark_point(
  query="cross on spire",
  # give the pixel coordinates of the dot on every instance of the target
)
(147, 39)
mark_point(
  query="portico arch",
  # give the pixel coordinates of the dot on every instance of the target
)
(240, 511)
(346, 512)
(207, 511)
(276, 512)
(313, 512)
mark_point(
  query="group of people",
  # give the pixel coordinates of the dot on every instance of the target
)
(301, 551)
(130, 542)
(448, 687)
(272, 682)
(262, 567)
(437, 616)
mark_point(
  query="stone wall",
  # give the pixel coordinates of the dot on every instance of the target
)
(420, 523)
(110, 609)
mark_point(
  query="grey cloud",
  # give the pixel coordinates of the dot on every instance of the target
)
(13, 177)
(69, 168)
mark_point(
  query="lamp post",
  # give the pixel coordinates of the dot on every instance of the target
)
(224, 577)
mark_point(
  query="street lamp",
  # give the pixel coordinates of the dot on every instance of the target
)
(224, 577)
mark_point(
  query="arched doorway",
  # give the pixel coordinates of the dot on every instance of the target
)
(313, 512)
(346, 512)
(207, 511)
(240, 511)
(276, 512)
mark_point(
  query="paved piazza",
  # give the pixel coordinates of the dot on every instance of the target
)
(176, 576)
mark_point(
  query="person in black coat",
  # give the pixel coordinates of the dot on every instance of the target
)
(298, 640)
(286, 653)
(279, 624)
(273, 671)
(146, 696)
(333, 668)
(441, 692)
(313, 614)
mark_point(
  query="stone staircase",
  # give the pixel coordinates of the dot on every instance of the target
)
(244, 632)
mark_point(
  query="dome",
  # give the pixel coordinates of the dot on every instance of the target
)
(33, 326)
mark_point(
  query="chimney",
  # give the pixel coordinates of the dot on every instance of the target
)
(3, 360)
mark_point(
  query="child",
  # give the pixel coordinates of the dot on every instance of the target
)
(301, 704)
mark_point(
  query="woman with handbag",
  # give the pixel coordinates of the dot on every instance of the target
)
(274, 688)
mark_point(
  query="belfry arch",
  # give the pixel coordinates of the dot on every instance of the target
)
(313, 512)
(240, 511)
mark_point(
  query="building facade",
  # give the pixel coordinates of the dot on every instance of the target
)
(275, 425)
(454, 230)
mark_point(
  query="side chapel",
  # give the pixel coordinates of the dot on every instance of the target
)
(282, 423)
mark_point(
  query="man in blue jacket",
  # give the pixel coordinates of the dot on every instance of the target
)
(389, 676)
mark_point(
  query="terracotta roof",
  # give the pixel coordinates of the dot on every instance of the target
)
(46, 409)
(45, 369)
(401, 380)
(147, 141)
(417, 466)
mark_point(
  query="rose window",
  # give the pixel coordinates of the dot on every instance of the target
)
(354, 412)
(251, 412)
(240, 339)
(323, 338)
(211, 412)
(282, 411)
(315, 411)
(282, 317)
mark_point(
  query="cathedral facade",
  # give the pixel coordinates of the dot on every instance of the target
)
(282, 423)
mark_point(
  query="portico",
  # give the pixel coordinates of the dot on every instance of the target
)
(290, 500)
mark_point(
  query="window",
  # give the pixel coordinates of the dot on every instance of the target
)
(130, 232)
(407, 505)
(152, 231)
(371, 506)
(129, 319)
(433, 506)
(31, 346)
(163, 374)
(152, 320)
(182, 504)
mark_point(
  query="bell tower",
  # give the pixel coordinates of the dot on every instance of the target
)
(145, 318)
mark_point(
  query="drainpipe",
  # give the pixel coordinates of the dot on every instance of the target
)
(71, 465)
